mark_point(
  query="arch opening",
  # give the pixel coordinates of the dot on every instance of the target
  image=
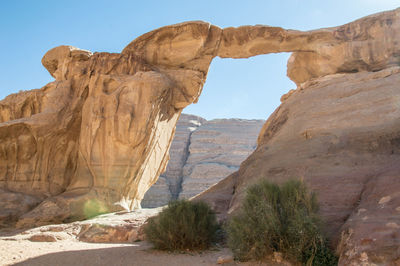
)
(216, 134)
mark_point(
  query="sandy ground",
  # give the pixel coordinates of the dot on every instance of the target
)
(68, 252)
(16, 247)
(62, 244)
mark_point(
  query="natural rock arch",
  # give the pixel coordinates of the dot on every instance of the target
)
(101, 131)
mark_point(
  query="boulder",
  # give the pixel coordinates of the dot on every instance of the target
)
(119, 227)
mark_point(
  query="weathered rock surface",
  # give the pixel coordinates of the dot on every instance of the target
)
(13, 205)
(43, 238)
(216, 150)
(115, 227)
(119, 227)
(340, 134)
(159, 194)
(100, 133)
(202, 153)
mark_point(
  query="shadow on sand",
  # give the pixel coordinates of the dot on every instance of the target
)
(130, 255)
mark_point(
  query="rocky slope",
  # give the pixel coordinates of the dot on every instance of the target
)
(202, 153)
(99, 135)
(341, 135)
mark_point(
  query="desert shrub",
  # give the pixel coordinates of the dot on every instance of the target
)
(183, 225)
(279, 219)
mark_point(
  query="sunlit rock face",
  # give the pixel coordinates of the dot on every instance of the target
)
(100, 133)
(97, 138)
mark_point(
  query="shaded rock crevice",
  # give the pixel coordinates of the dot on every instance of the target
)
(168, 183)
(186, 153)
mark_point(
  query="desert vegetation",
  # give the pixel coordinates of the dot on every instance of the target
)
(183, 225)
(279, 219)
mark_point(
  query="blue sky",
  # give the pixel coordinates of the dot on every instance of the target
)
(242, 88)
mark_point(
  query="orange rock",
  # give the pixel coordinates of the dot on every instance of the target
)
(42, 238)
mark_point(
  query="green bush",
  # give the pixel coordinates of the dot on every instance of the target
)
(279, 219)
(183, 225)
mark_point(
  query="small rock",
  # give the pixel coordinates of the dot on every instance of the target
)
(392, 225)
(364, 257)
(384, 200)
(42, 238)
(225, 259)
(278, 257)
(361, 211)
(97, 233)
(55, 229)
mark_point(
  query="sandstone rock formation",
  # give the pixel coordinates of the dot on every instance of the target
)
(13, 205)
(119, 227)
(202, 153)
(100, 133)
(340, 134)
(217, 148)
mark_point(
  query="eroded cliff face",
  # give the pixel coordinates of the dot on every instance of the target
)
(217, 148)
(202, 153)
(100, 133)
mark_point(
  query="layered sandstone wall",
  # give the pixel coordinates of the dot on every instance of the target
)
(202, 153)
(217, 149)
